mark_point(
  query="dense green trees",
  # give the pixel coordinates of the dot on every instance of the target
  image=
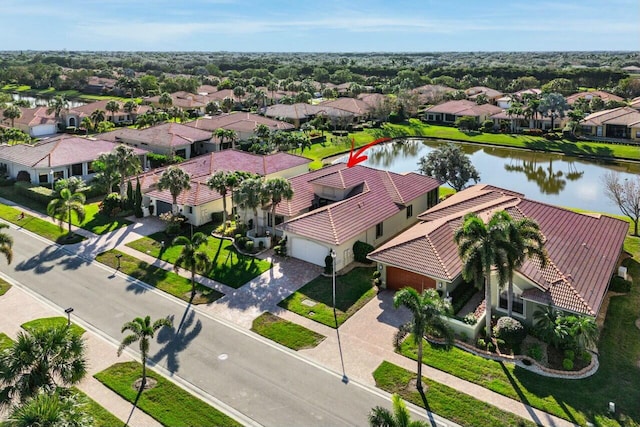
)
(449, 165)
(176, 181)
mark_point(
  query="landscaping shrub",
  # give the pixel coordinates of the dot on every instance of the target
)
(569, 354)
(586, 356)
(7, 182)
(261, 244)
(23, 176)
(92, 191)
(491, 346)
(361, 250)
(470, 319)
(533, 132)
(466, 123)
(502, 345)
(487, 126)
(111, 204)
(376, 274)
(552, 136)
(328, 264)
(481, 344)
(618, 284)
(535, 352)
(510, 330)
(34, 192)
(249, 244)
(567, 364)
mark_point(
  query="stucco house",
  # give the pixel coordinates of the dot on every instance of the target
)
(34, 121)
(605, 96)
(198, 203)
(584, 252)
(492, 95)
(74, 116)
(190, 102)
(620, 123)
(450, 111)
(504, 102)
(334, 207)
(61, 157)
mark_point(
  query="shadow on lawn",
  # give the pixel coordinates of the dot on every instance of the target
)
(429, 414)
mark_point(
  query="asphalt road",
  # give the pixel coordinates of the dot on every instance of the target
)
(270, 386)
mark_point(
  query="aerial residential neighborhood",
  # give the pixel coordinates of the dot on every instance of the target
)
(268, 215)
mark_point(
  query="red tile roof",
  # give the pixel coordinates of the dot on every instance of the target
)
(352, 105)
(238, 122)
(625, 116)
(162, 135)
(583, 249)
(605, 96)
(375, 196)
(32, 117)
(464, 107)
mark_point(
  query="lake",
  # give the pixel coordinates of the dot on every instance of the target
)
(37, 101)
(550, 178)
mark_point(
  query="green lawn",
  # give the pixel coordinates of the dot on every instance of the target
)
(4, 286)
(443, 400)
(51, 322)
(353, 290)
(415, 127)
(101, 417)
(286, 333)
(157, 277)
(228, 267)
(166, 402)
(38, 226)
(5, 341)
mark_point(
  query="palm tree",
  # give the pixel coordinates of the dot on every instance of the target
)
(233, 180)
(87, 123)
(56, 105)
(480, 247)
(277, 189)
(227, 104)
(218, 182)
(527, 242)
(6, 244)
(130, 106)
(176, 181)
(221, 134)
(41, 359)
(232, 137)
(12, 113)
(192, 257)
(141, 330)
(553, 105)
(57, 409)
(126, 162)
(68, 202)
(584, 331)
(113, 107)
(400, 417)
(251, 195)
(97, 116)
(262, 131)
(107, 176)
(427, 310)
(165, 100)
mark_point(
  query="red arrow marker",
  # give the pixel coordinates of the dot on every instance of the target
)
(357, 157)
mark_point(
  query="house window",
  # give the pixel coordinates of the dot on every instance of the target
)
(182, 153)
(190, 209)
(379, 230)
(518, 303)
(43, 178)
(449, 118)
(409, 211)
(76, 169)
(90, 168)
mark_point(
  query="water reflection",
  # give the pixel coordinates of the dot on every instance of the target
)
(550, 178)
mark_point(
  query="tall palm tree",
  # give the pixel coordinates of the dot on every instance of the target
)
(41, 359)
(427, 310)
(233, 180)
(165, 100)
(176, 181)
(126, 162)
(482, 246)
(277, 189)
(67, 203)
(218, 182)
(400, 417)
(227, 104)
(192, 257)
(97, 116)
(141, 331)
(107, 176)
(56, 105)
(251, 195)
(221, 134)
(113, 107)
(12, 113)
(130, 106)
(6, 244)
(232, 137)
(527, 242)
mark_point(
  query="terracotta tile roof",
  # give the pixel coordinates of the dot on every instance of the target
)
(473, 92)
(183, 99)
(375, 196)
(352, 105)
(605, 96)
(238, 122)
(162, 135)
(32, 117)
(301, 111)
(618, 116)
(60, 151)
(87, 109)
(635, 103)
(372, 99)
(583, 249)
(464, 107)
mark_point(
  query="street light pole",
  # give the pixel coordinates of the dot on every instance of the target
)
(51, 175)
(333, 277)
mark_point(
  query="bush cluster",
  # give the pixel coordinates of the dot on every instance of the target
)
(361, 250)
(510, 330)
(34, 192)
(618, 284)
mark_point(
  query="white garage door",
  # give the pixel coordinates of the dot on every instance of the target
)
(309, 251)
(43, 130)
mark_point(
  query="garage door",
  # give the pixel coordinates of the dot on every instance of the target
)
(309, 251)
(41, 130)
(162, 207)
(398, 278)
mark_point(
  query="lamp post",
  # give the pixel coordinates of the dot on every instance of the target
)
(118, 256)
(333, 279)
(51, 176)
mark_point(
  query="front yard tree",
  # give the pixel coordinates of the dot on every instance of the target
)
(56, 105)
(113, 107)
(400, 417)
(126, 163)
(625, 194)
(480, 247)
(251, 195)
(165, 100)
(107, 176)
(56, 409)
(62, 207)
(41, 359)
(553, 105)
(6, 244)
(192, 257)
(277, 189)
(176, 181)
(427, 310)
(218, 182)
(97, 116)
(450, 165)
(141, 331)
(12, 113)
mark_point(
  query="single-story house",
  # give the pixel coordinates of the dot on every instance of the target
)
(505, 101)
(620, 123)
(492, 95)
(334, 207)
(518, 122)
(166, 138)
(358, 108)
(198, 203)
(635, 103)
(34, 121)
(584, 252)
(605, 96)
(190, 102)
(450, 111)
(55, 158)
(74, 116)
(99, 85)
(244, 124)
(431, 94)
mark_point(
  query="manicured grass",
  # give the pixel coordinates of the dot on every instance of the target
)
(286, 333)
(38, 226)
(443, 400)
(445, 191)
(4, 286)
(166, 402)
(353, 290)
(228, 266)
(101, 417)
(51, 322)
(415, 127)
(157, 277)
(5, 341)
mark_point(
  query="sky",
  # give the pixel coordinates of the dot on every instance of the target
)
(320, 25)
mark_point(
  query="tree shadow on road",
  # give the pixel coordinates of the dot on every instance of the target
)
(42, 262)
(177, 339)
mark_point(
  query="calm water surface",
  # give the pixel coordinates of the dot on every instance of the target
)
(550, 178)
